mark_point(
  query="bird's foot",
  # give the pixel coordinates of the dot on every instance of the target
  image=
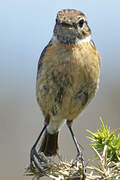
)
(79, 159)
(37, 160)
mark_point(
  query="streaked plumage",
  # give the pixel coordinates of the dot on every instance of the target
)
(67, 78)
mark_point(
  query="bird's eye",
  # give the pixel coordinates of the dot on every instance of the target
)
(81, 22)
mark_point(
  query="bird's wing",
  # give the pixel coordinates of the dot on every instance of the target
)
(41, 59)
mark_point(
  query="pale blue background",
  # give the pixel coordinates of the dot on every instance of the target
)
(25, 28)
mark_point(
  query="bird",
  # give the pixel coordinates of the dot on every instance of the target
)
(67, 80)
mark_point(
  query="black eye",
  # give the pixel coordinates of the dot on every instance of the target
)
(81, 22)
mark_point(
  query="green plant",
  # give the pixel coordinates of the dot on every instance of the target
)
(106, 136)
(106, 146)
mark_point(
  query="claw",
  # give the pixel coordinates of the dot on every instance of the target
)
(35, 159)
(38, 161)
(79, 157)
(34, 163)
(34, 155)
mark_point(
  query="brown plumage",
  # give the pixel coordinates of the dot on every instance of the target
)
(68, 75)
(68, 80)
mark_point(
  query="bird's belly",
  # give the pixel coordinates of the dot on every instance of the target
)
(67, 82)
(63, 94)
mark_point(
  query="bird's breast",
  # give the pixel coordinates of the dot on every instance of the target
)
(69, 77)
(74, 64)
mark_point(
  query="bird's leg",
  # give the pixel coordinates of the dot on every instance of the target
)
(33, 153)
(79, 156)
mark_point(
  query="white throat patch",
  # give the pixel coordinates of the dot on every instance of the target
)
(80, 41)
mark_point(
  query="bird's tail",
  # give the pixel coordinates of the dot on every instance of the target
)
(49, 145)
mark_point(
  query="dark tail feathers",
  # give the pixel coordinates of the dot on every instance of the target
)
(49, 145)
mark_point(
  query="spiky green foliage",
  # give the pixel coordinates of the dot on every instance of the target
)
(106, 136)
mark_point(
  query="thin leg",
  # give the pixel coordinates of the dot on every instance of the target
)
(33, 153)
(79, 152)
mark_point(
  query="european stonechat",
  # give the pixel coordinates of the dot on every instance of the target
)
(67, 79)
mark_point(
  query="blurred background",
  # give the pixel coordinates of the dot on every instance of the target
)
(25, 28)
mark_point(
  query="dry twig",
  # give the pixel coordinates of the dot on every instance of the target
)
(105, 169)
